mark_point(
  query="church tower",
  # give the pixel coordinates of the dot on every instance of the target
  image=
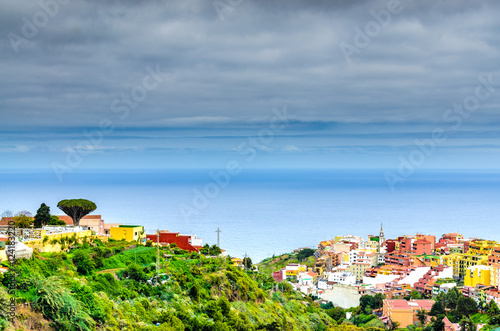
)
(381, 237)
(381, 249)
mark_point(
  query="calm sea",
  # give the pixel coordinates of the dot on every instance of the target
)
(266, 212)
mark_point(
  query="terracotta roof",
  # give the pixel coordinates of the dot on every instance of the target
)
(6, 220)
(412, 304)
(108, 226)
(69, 221)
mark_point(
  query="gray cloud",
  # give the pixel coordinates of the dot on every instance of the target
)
(263, 55)
(220, 79)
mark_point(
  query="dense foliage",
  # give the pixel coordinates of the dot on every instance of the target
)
(97, 286)
(76, 208)
(42, 216)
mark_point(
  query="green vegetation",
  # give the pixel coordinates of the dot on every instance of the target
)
(76, 208)
(42, 216)
(273, 264)
(114, 286)
(23, 219)
(55, 221)
(68, 291)
(213, 250)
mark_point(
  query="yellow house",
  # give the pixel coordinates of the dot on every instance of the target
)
(127, 232)
(358, 269)
(237, 261)
(292, 270)
(477, 255)
(478, 274)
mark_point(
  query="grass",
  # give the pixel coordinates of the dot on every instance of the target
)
(480, 318)
(111, 271)
(141, 255)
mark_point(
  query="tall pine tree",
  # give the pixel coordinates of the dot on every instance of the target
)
(42, 216)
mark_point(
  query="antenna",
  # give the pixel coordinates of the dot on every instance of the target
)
(157, 252)
(218, 236)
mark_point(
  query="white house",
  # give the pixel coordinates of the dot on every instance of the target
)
(343, 277)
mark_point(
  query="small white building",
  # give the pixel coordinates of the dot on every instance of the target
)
(322, 284)
(446, 287)
(21, 251)
(306, 278)
(342, 277)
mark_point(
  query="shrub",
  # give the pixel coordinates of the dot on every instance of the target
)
(55, 302)
(83, 263)
(136, 273)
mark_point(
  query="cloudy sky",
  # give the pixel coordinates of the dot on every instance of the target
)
(277, 84)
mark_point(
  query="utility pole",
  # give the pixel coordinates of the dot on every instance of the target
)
(218, 236)
(157, 253)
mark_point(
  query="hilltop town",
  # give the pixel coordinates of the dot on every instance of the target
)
(409, 272)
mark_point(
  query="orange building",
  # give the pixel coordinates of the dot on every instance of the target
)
(494, 256)
(404, 312)
(422, 247)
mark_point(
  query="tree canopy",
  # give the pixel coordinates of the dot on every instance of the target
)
(305, 253)
(54, 220)
(437, 309)
(76, 208)
(23, 219)
(42, 216)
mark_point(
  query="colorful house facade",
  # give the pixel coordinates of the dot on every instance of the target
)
(127, 232)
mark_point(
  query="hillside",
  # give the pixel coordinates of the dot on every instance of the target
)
(275, 263)
(98, 286)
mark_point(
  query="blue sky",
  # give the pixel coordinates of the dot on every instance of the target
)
(186, 84)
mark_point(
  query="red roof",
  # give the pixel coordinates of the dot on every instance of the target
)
(6, 220)
(412, 304)
(182, 241)
(69, 221)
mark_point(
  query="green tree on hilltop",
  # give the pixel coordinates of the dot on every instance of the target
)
(305, 253)
(23, 219)
(438, 323)
(466, 324)
(247, 263)
(76, 208)
(42, 216)
(493, 309)
(422, 316)
(54, 220)
(451, 298)
(466, 306)
(437, 309)
(378, 300)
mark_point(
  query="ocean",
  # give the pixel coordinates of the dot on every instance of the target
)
(266, 212)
